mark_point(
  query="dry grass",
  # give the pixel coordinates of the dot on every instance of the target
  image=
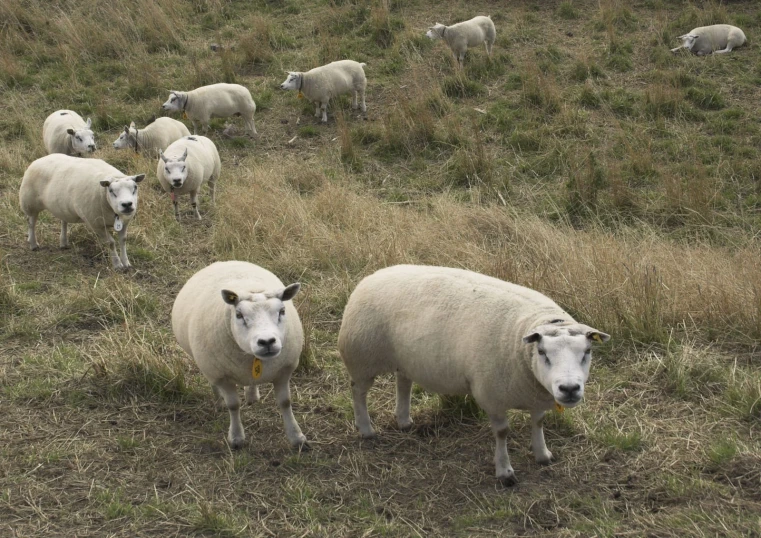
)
(629, 195)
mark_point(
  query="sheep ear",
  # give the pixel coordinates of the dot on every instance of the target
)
(70, 131)
(531, 338)
(230, 297)
(105, 182)
(598, 336)
(89, 123)
(138, 178)
(126, 129)
(289, 292)
(184, 155)
(161, 154)
(132, 125)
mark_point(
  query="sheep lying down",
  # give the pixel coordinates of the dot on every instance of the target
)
(718, 38)
(458, 332)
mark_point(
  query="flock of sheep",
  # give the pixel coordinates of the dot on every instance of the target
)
(434, 326)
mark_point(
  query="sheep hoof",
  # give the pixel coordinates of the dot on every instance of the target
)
(36, 247)
(367, 436)
(508, 480)
(302, 446)
(545, 459)
(236, 444)
(405, 425)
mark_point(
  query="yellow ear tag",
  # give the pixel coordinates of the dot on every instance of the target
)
(256, 370)
(559, 408)
(300, 95)
(596, 338)
(184, 115)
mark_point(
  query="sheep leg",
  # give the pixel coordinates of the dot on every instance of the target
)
(235, 436)
(212, 188)
(30, 235)
(176, 206)
(354, 105)
(460, 59)
(317, 110)
(250, 127)
(504, 471)
(283, 399)
(723, 51)
(252, 394)
(194, 126)
(194, 203)
(403, 396)
(123, 246)
(359, 390)
(488, 46)
(542, 455)
(64, 234)
(106, 238)
(362, 95)
(324, 107)
(677, 49)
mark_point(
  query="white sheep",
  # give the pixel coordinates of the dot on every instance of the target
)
(81, 190)
(153, 137)
(214, 101)
(464, 35)
(459, 332)
(64, 131)
(717, 38)
(321, 84)
(185, 166)
(237, 321)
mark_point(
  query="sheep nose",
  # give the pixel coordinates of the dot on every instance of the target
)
(570, 391)
(266, 343)
(127, 205)
(177, 182)
(91, 147)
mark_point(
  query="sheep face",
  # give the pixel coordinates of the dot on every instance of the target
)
(175, 170)
(123, 140)
(82, 140)
(121, 193)
(561, 358)
(688, 40)
(293, 82)
(436, 31)
(258, 320)
(175, 102)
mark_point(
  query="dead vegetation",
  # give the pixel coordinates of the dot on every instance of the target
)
(629, 195)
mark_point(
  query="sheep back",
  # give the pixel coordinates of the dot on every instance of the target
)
(68, 187)
(54, 131)
(219, 101)
(450, 330)
(323, 83)
(201, 324)
(470, 33)
(160, 134)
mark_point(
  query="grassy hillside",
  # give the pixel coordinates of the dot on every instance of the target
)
(583, 160)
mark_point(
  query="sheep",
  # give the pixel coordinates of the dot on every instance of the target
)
(64, 131)
(717, 38)
(250, 335)
(81, 190)
(185, 166)
(464, 35)
(458, 332)
(214, 101)
(153, 137)
(321, 84)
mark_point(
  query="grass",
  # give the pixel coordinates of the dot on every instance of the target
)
(582, 160)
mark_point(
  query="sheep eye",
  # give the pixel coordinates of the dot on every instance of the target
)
(239, 315)
(547, 361)
(166, 169)
(79, 138)
(183, 168)
(111, 192)
(282, 312)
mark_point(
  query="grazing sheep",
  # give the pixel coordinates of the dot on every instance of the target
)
(459, 332)
(64, 131)
(717, 38)
(237, 321)
(214, 101)
(81, 190)
(321, 84)
(185, 166)
(464, 35)
(153, 137)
